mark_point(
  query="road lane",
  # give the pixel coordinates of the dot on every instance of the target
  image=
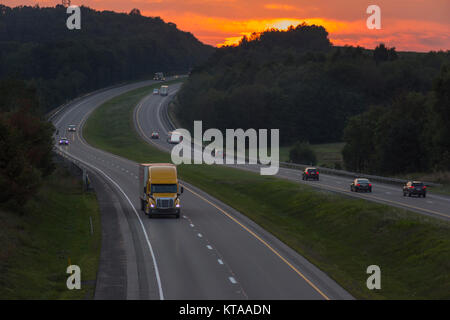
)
(232, 259)
(151, 117)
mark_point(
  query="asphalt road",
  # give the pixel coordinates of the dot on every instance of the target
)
(212, 252)
(151, 116)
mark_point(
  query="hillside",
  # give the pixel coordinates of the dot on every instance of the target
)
(36, 46)
(298, 82)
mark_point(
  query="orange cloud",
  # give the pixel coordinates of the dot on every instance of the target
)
(406, 24)
(276, 6)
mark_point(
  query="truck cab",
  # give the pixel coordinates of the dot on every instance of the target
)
(160, 190)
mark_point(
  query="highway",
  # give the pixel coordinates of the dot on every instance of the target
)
(212, 252)
(149, 118)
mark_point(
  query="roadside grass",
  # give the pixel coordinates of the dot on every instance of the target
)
(340, 235)
(37, 246)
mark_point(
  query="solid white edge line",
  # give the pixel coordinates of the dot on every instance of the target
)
(158, 279)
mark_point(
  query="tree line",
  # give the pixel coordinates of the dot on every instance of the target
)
(25, 142)
(411, 134)
(43, 64)
(297, 81)
(36, 46)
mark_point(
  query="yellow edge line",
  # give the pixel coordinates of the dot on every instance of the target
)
(240, 224)
(262, 241)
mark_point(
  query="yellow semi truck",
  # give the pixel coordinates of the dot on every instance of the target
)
(159, 188)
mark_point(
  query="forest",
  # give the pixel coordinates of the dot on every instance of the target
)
(44, 64)
(110, 48)
(298, 82)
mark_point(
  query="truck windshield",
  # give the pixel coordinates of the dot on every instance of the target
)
(164, 188)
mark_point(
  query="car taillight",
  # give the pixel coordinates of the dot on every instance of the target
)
(370, 184)
(358, 185)
(306, 173)
(424, 187)
(412, 187)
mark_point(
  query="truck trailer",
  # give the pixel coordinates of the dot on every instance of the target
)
(160, 190)
(164, 91)
(159, 76)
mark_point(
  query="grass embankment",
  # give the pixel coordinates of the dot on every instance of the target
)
(37, 246)
(341, 235)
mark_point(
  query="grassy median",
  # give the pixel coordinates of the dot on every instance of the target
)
(341, 235)
(54, 230)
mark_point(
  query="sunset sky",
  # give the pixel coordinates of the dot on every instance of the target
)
(408, 25)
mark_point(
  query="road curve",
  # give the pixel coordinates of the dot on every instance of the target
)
(438, 206)
(212, 252)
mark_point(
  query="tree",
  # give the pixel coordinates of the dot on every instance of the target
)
(382, 54)
(26, 145)
(358, 152)
(440, 122)
(302, 153)
(135, 12)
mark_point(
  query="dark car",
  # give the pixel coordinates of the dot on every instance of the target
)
(155, 135)
(72, 128)
(361, 184)
(414, 188)
(310, 173)
(63, 141)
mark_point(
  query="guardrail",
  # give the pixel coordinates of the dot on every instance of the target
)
(75, 168)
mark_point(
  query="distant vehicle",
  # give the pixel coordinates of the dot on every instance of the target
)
(159, 76)
(174, 137)
(361, 184)
(414, 188)
(72, 128)
(164, 91)
(310, 173)
(159, 189)
(63, 141)
(155, 91)
(155, 135)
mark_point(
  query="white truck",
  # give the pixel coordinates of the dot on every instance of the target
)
(164, 91)
(174, 137)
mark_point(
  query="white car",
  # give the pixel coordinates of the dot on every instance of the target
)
(155, 91)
